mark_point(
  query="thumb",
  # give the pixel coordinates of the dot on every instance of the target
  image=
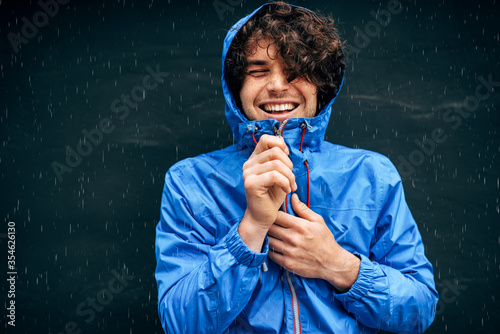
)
(303, 211)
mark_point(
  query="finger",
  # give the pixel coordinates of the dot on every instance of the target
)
(288, 228)
(267, 142)
(262, 182)
(303, 211)
(271, 166)
(277, 231)
(276, 245)
(274, 153)
(286, 221)
(277, 257)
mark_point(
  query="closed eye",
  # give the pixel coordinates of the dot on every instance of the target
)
(257, 73)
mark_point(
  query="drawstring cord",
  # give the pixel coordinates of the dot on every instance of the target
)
(308, 185)
(255, 129)
(303, 127)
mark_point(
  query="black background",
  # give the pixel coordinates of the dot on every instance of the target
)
(71, 234)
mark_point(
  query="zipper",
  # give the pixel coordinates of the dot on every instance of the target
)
(279, 127)
(295, 305)
(278, 132)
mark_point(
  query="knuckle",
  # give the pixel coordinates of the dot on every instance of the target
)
(295, 253)
(249, 181)
(294, 242)
(270, 155)
(247, 173)
(247, 166)
(275, 151)
(265, 139)
(275, 164)
(276, 176)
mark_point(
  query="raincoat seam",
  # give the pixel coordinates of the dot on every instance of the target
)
(329, 208)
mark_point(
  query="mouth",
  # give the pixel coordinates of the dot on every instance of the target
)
(278, 108)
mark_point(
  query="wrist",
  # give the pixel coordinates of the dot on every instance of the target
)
(252, 233)
(346, 275)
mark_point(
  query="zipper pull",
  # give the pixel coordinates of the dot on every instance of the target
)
(278, 131)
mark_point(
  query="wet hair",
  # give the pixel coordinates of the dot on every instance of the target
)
(308, 43)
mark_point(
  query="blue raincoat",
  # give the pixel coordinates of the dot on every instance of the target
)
(209, 281)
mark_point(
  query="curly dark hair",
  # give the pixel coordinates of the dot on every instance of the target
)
(308, 43)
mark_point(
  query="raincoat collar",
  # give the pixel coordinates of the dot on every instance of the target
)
(245, 131)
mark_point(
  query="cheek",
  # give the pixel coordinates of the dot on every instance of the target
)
(247, 98)
(310, 93)
(312, 101)
(308, 90)
(245, 94)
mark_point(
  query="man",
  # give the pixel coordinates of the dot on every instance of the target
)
(285, 232)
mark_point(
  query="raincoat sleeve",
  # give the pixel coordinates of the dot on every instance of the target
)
(202, 285)
(395, 288)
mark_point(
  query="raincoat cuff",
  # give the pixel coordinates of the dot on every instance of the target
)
(363, 283)
(241, 252)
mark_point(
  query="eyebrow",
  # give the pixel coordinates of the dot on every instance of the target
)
(257, 62)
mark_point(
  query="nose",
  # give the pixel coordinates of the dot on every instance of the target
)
(278, 82)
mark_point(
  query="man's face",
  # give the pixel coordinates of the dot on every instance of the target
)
(266, 93)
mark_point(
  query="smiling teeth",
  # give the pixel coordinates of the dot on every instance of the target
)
(278, 107)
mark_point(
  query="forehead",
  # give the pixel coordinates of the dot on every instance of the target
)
(262, 49)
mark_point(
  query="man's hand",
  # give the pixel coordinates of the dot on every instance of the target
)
(306, 247)
(268, 177)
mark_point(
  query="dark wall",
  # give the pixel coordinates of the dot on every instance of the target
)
(422, 87)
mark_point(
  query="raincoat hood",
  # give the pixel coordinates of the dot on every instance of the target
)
(244, 129)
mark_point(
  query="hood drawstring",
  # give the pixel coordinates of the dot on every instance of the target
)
(303, 126)
(255, 129)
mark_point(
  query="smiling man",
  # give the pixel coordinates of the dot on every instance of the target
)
(284, 232)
